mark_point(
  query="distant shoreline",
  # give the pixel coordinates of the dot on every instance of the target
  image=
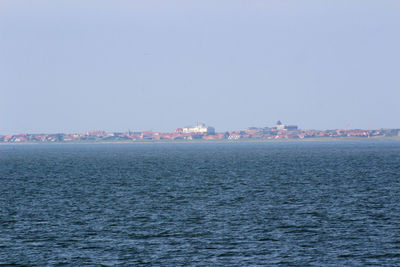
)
(250, 140)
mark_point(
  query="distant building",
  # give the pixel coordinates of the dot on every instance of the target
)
(280, 126)
(199, 129)
(252, 130)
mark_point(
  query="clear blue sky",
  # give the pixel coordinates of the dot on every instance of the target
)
(74, 66)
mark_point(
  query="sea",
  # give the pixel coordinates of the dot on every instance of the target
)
(201, 204)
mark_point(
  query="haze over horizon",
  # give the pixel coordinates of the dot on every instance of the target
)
(74, 66)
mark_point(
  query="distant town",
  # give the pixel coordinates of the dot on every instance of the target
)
(201, 132)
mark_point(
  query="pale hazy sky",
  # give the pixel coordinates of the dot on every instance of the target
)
(74, 66)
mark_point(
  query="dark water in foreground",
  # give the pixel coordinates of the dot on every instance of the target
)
(201, 204)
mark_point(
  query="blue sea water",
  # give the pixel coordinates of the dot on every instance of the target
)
(206, 204)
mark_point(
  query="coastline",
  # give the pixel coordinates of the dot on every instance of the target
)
(250, 140)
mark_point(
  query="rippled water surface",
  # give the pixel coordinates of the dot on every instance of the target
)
(298, 203)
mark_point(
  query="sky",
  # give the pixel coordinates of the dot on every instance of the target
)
(75, 66)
